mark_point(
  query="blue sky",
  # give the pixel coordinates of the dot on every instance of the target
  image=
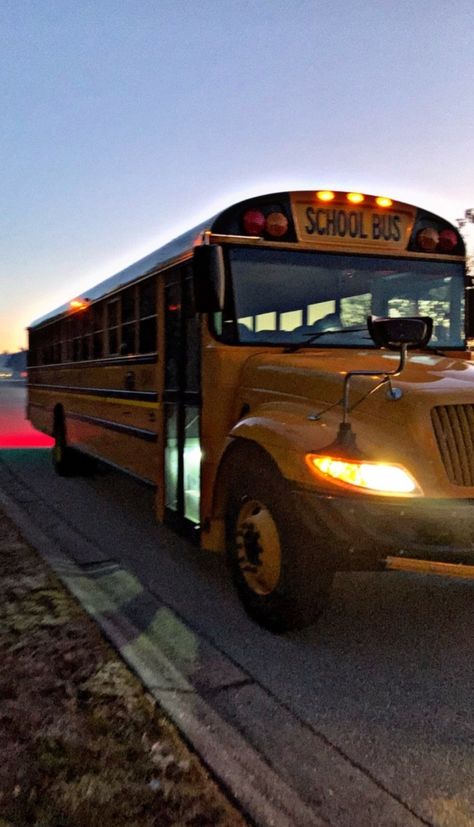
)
(124, 123)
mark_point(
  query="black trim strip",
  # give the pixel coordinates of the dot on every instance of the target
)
(188, 398)
(140, 433)
(115, 393)
(123, 361)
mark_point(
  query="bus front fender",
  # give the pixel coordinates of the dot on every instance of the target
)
(280, 439)
(270, 433)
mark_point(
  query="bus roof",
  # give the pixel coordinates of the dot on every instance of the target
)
(169, 252)
(295, 216)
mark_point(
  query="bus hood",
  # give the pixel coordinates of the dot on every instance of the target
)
(318, 377)
(290, 403)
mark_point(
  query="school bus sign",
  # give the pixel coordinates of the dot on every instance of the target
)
(352, 225)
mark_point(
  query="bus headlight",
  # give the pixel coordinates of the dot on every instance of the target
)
(373, 477)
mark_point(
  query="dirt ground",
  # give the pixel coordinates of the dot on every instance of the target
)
(81, 743)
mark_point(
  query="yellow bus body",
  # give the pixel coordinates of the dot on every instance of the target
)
(278, 404)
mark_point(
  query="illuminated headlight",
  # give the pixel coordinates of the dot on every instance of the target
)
(375, 477)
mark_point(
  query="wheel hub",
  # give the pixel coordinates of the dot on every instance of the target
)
(250, 539)
(258, 547)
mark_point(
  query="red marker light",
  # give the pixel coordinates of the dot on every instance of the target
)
(447, 241)
(276, 224)
(253, 222)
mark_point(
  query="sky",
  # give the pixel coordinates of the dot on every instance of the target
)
(126, 122)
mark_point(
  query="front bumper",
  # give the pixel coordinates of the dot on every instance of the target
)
(362, 531)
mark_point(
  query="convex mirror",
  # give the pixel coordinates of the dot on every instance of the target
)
(393, 333)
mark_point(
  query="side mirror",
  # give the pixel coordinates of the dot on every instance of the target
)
(209, 278)
(394, 333)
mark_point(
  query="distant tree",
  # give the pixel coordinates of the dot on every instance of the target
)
(17, 361)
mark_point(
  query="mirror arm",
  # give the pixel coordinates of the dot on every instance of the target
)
(386, 376)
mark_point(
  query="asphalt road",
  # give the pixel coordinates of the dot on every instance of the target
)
(368, 716)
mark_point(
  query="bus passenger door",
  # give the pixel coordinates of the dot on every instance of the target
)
(182, 401)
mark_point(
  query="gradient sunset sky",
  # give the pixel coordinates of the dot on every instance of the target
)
(125, 123)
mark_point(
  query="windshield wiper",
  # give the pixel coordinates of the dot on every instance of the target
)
(313, 336)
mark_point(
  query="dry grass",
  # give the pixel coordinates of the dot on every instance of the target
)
(81, 743)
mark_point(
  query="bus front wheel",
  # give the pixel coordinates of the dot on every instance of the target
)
(282, 579)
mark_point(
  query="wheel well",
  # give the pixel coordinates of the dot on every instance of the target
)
(239, 447)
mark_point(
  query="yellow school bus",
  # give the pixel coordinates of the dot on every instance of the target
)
(293, 376)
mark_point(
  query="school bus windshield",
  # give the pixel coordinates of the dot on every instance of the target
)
(286, 296)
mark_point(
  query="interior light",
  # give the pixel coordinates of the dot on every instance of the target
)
(355, 197)
(325, 195)
(427, 239)
(375, 477)
(276, 224)
(253, 222)
(381, 201)
(192, 451)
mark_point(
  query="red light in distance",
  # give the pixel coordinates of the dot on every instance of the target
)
(25, 439)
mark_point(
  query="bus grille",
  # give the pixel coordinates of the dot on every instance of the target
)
(454, 429)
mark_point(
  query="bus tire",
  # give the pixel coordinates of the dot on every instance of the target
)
(65, 459)
(282, 579)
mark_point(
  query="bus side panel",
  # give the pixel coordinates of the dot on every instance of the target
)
(132, 453)
(102, 418)
(39, 411)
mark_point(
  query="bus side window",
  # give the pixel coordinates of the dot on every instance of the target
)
(355, 309)
(290, 320)
(266, 321)
(98, 331)
(128, 338)
(147, 332)
(113, 328)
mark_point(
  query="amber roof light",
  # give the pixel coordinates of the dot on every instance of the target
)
(325, 195)
(79, 304)
(355, 197)
(381, 201)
